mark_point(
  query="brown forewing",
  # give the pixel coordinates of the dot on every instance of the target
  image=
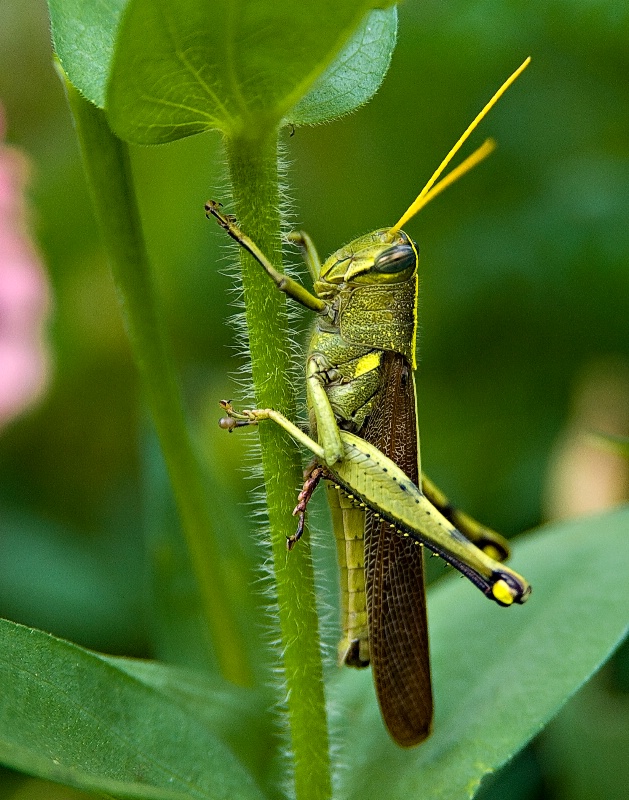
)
(394, 573)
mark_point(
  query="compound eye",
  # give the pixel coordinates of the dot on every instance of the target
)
(395, 259)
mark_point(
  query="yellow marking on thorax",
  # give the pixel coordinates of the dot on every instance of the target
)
(368, 363)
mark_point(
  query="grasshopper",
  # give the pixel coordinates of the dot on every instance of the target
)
(361, 401)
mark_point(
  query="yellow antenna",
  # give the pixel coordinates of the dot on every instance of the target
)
(426, 195)
(488, 146)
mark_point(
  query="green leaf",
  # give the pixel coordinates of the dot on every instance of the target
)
(84, 36)
(356, 73)
(235, 66)
(588, 743)
(105, 725)
(499, 674)
(222, 705)
(237, 715)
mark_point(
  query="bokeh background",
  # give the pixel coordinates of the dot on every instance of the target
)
(524, 331)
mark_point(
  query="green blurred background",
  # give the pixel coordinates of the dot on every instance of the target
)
(524, 287)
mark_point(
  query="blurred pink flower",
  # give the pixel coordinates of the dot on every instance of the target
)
(24, 295)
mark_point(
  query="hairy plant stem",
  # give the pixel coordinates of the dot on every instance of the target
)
(254, 176)
(108, 170)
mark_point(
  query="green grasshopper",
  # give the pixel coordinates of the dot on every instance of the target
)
(363, 434)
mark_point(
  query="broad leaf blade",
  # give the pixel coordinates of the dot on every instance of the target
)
(355, 74)
(84, 35)
(501, 674)
(237, 715)
(74, 717)
(236, 66)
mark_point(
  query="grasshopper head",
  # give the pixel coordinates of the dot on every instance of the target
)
(372, 282)
(381, 257)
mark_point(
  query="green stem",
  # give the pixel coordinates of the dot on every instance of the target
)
(254, 176)
(108, 169)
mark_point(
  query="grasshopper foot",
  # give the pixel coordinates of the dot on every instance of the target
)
(226, 221)
(312, 476)
(235, 419)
